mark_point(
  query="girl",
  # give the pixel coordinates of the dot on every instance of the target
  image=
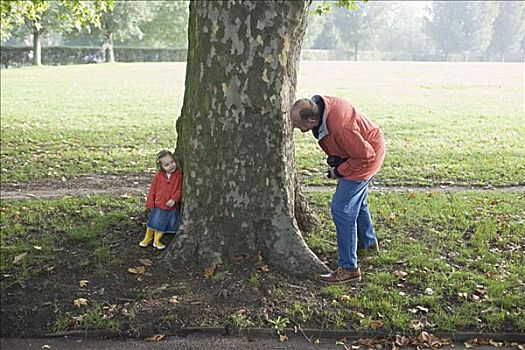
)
(164, 200)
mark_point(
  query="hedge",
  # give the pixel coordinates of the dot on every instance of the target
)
(11, 56)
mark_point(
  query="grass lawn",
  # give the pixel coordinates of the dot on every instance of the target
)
(449, 262)
(445, 123)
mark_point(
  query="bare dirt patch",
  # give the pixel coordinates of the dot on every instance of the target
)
(133, 184)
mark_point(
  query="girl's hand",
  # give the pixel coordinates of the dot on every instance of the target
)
(170, 203)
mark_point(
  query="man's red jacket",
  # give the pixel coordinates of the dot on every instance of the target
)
(162, 190)
(346, 133)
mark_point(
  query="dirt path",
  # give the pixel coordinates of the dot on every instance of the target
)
(133, 184)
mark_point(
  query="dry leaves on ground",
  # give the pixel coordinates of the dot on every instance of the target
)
(157, 337)
(139, 270)
(80, 302)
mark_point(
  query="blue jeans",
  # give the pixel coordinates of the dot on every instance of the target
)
(352, 220)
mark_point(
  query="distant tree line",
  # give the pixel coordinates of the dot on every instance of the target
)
(488, 28)
(155, 24)
(461, 27)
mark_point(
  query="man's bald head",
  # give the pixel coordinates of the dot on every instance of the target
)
(304, 114)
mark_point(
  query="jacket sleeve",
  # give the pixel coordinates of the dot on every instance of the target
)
(359, 150)
(150, 201)
(178, 187)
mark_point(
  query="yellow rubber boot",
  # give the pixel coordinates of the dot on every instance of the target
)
(148, 238)
(157, 242)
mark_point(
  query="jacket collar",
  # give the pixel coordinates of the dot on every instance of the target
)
(321, 130)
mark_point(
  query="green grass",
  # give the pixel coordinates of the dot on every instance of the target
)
(466, 242)
(445, 123)
(44, 230)
(462, 254)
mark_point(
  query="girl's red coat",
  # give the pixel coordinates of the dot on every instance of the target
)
(162, 190)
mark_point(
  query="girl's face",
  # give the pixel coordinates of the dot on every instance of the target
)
(168, 164)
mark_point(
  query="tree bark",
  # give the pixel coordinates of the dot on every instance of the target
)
(235, 141)
(110, 53)
(37, 48)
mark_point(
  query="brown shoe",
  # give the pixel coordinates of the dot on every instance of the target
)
(342, 275)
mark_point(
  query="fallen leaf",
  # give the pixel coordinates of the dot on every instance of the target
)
(463, 295)
(265, 268)
(18, 258)
(174, 300)
(210, 270)
(283, 338)
(422, 309)
(400, 274)
(83, 283)
(401, 340)
(375, 324)
(156, 337)
(139, 270)
(146, 262)
(80, 302)
(416, 325)
(344, 297)
(342, 341)
(431, 340)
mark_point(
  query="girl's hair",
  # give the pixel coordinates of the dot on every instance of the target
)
(161, 155)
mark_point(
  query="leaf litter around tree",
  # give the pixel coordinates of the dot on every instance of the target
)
(75, 264)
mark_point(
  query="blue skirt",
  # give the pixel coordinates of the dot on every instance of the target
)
(161, 220)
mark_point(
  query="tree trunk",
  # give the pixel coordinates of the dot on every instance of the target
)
(235, 141)
(110, 54)
(37, 48)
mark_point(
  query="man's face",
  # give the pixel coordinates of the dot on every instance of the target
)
(302, 125)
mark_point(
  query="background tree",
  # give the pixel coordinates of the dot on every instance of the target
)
(123, 22)
(329, 38)
(402, 29)
(235, 139)
(359, 29)
(445, 26)
(509, 28)
(168, 26)
(478, 20)
(41, 16)
(315, 26)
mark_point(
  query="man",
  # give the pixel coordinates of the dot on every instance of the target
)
(356, 150)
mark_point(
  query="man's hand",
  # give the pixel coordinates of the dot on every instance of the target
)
(170, 203)
(331, 173)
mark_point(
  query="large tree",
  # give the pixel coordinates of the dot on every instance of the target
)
(235, 141)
